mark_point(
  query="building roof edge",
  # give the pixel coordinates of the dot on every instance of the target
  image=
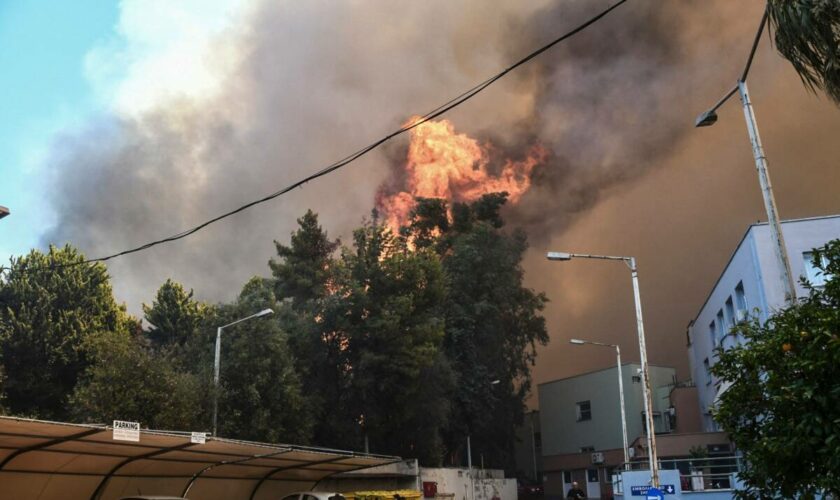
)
(738, 247)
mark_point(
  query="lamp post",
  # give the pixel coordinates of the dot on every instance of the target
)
(640, 329)
(217, 362)
(620, 392)
(709, 117)
(3, 211)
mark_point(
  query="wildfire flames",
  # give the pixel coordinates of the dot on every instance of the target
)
(444, 164)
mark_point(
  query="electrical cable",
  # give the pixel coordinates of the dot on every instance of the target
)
(443, 108)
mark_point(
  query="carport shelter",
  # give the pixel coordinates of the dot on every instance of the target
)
(49, 460)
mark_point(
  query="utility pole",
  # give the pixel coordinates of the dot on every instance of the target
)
(640, 329)
(709, 118)
(767, 193)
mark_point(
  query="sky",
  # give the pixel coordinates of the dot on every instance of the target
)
(44, 91)
(129, 121)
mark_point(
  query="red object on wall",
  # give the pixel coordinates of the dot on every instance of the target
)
(429, 489)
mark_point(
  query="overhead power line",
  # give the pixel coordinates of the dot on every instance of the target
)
(443, 108)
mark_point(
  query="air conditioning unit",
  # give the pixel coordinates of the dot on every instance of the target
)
(597, 457)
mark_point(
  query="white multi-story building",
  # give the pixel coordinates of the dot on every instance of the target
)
(751, 285)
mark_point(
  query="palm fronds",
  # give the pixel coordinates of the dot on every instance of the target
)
(807, 33)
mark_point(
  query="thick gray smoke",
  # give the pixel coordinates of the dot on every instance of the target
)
(316, 80)
(313, 81)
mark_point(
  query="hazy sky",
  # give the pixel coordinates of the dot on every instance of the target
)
(44, 92)
(130, 121)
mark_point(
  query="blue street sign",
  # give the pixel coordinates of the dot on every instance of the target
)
(654, 494)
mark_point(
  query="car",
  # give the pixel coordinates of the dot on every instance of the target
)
(314, 495)
(151, 497)
(528, 489)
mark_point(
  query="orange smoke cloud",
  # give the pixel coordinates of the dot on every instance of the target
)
(444, 164)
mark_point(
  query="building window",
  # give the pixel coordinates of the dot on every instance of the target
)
(583, 411)
(730, 312)
(592, 475)
(637, 379)
(567, 476)
(721, 329)
(740, 303)
(813, 273)
(587, 449)
(713, 334)
(708, 369)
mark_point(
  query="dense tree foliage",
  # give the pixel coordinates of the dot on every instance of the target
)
(126, 381)
(302, 276)
(391, 314)
(261, 395)
(782, 408)
(401, 336)
(50, 304)
(174, 317)
(303, 272)
(394, 340)
(492, 321)
(807, 33)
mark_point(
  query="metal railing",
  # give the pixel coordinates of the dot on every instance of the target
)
(696, 474)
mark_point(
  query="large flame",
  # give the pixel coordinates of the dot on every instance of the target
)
(444, 164)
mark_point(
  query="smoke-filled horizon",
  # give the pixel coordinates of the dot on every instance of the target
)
(290, 87)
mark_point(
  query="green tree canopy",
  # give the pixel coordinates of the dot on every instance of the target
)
(174, 315)
(302, 275)
(126, 381)
(50, 303)
(260, 395)
(390, 311)
(782, 409)
(807, 33)
(493, 321)
(303, 271)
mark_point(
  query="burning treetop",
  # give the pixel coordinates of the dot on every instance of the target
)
(444, 164)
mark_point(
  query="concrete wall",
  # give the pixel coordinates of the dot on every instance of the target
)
(488, 484)
(687, 408)
(402, 475)
(679, 445)
(457, 482)
(755, 266)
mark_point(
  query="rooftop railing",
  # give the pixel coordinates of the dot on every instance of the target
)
(696, 474)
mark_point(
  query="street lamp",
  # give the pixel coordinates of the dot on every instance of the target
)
(217, 361)
(3, 211)
(620, 392)
(640, 328)
(709, 117)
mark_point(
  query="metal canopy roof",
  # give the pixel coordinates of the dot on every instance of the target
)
(50, 460)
